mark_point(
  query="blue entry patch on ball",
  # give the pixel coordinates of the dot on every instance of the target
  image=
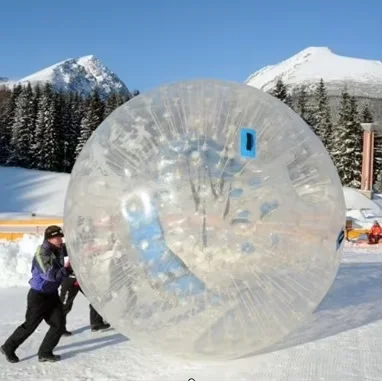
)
(248, 143)
(340, 238)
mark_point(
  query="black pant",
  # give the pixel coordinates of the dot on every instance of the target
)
(40, 306)
(374, 239)
(68, 293)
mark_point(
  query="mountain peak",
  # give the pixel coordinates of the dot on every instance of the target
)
(316, 49)
(88, 58)
(308, 66)
(82, 75)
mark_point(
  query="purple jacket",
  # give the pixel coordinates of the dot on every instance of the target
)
(48, 269)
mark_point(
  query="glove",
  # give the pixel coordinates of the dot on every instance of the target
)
(64, 272)
(76, 284)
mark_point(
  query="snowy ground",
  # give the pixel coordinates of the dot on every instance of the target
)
(341, 343)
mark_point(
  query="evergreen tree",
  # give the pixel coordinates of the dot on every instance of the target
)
(111, 104)
(43, 117)
(92, 118)
(60, 99)
(66, 124)
(280, 91)
(115, 100)
(5, 95)
(85, 132)
(347, 148)
(5, 133)
(303, 105)
(36, 99)
(122, 98)
(78, 109)
(71, 122)
(322, 124)
(77, 112)
(367, 116)
(22, 129)
(98, 107)
(11, 107)
(44, 129)
(7, 120)
(46, 148)
(378, 182)
(4, 140)
(377, 163)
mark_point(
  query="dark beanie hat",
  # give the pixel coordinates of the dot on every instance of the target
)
(53, 231)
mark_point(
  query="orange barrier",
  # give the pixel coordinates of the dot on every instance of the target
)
(12, 236)
(32, 222)
(355, 233)
(28, 226)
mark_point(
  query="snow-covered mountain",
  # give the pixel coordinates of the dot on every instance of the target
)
(363, 77)
(83, 75)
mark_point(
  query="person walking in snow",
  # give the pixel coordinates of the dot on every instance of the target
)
(69, 290)
(43, 301)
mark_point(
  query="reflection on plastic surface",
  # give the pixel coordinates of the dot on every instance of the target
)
(203, 218)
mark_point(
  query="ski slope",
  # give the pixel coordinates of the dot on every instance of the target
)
(27, 191)
(341, 343)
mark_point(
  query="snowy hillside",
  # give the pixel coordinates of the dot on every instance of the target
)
(363, 77)
(26, 191)
(81, 75)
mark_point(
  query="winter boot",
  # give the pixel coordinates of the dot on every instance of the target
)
(100, 327)
(49, 357)
(10, 356)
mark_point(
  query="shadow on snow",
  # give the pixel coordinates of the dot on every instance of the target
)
(83, 346)
(90, 345)
(354, 300)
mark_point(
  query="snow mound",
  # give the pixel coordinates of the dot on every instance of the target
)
(26, 191)
(355, 200)
(363, 77)
(16, 259)
(82, 75)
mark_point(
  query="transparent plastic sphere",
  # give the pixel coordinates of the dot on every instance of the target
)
(205, 219)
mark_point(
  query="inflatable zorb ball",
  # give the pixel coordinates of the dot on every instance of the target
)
(205, 219)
